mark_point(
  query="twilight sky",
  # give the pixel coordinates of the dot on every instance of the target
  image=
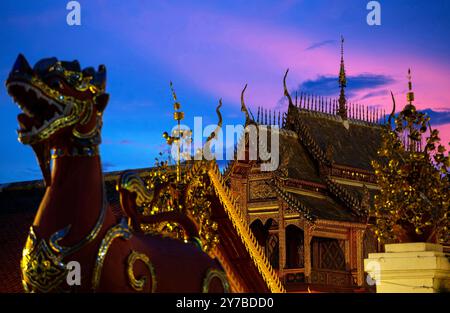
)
(210, 49)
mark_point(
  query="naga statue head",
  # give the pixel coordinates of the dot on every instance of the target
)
(61, 105)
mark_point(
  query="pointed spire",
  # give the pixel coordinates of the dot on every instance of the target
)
(301, 99)
(410, 94)
(342, 84)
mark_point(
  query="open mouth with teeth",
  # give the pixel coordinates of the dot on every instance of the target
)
(40, 113)
(53, 95)
(46, 109)
(56, 98)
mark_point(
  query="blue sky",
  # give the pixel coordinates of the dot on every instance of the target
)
(210, 49)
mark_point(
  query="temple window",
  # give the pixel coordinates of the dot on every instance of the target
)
(294, 247)
(328, 253)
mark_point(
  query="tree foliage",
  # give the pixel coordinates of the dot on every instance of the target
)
(413, 174)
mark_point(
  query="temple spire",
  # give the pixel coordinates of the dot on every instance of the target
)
(342, 84)
(410, 94)
(409, 110)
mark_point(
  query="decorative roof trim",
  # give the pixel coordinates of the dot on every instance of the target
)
(308, 141)
(241, 226)
(342, 193)
(362, 115)
(294, 203)
(337, 190)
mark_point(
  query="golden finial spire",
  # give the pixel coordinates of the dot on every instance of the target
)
(342, 84)
(176, 135)
(410, 94)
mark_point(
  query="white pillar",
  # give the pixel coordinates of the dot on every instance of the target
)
(409, 268)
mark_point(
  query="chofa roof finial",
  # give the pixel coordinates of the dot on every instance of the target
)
(244, 107)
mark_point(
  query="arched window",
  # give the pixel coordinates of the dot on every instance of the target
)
(259, 232)
(272, 250)
(295, 254)
(267, 237)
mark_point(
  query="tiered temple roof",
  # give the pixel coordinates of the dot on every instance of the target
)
(326, 145)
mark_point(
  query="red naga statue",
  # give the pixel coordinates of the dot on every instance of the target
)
(62, 118)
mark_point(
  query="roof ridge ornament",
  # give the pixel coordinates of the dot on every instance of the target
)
(286, 92)
(244, 108)
(177, 136)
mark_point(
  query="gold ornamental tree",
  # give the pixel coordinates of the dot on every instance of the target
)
(413, 174)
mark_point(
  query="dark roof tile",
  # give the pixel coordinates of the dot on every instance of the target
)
(354, 147)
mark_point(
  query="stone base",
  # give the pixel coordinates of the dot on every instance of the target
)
(409, 268)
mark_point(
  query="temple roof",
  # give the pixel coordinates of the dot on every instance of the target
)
(324, 207)
(294, 159)
(354, 147)
(325, 151)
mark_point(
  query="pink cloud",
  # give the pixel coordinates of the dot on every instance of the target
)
(444, 132)
(218, 53)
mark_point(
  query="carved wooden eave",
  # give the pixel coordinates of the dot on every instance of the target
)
(346, 172)
(305, 185)
(297, 209)
(304, 211)
(344, 195)
(241, 227)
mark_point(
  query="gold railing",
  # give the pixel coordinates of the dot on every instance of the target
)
(293, 275)
(331, 277)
